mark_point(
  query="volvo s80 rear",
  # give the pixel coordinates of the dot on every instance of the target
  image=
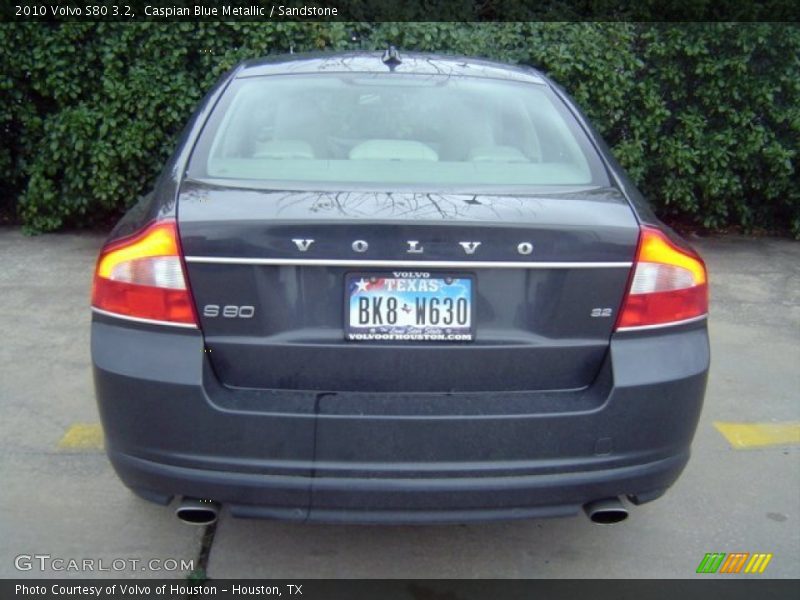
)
(407, 290)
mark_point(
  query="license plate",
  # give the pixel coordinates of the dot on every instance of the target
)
(416, 306)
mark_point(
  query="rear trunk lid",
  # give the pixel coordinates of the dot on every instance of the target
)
(268, 273)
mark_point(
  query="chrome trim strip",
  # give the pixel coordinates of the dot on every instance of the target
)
(449, 264)
(100, 311)
(662, 325)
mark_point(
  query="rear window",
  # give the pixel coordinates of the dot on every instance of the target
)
(406, 130)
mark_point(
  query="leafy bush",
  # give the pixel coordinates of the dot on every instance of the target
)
(705, 117)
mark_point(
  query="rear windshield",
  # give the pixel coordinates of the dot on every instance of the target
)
(406, 130)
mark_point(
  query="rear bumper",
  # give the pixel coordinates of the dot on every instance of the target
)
(172, 429)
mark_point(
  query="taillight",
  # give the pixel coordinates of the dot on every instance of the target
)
(142, 277)
(668, 284)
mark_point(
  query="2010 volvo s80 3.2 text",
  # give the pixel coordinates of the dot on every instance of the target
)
(384, 288)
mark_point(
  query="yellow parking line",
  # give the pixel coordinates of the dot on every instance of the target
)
(82, 436)
(756, 435)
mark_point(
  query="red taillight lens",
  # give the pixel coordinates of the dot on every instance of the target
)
(142, 276)
(669, 284)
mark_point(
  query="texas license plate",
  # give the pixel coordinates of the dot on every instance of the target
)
(413, 306)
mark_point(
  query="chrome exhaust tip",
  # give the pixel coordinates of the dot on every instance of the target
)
(606, 511)
(197, 512)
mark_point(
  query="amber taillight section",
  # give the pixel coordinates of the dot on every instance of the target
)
(142, 276)
(669, 284)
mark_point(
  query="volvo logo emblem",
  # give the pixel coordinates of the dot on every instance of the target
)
(413, 246)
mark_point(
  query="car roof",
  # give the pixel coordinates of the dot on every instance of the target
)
(370, 62)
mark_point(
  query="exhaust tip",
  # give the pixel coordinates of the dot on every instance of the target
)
(197, 512)
(606, 511)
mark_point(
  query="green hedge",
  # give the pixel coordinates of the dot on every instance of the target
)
(706, 117)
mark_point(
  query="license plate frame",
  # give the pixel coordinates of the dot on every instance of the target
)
(407, 328)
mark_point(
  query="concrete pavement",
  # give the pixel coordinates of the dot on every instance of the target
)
(66, 502)
(62, 502)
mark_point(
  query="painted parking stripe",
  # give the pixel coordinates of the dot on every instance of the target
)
(82, 436)
(758, 435)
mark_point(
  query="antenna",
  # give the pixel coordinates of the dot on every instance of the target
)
(391, 57)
